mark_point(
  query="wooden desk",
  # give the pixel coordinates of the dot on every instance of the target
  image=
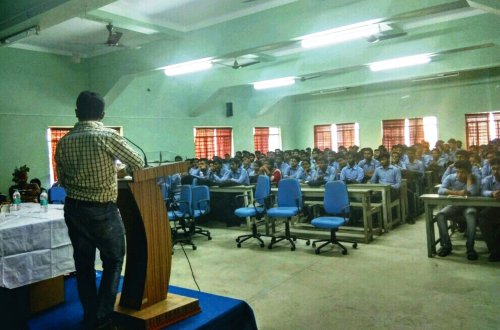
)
(385, 190)
(433, 200)
(363, 193)
(246, 191)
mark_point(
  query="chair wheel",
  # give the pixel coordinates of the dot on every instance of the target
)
(308, 242)
(344, 252)
(237, 240)
(194, 247)
(292, 248)
(316, 251)
(294, 238)
(261, 245)
(355, 245)
(314, 245)
(209, 238)
(238, 245)
(269, 247)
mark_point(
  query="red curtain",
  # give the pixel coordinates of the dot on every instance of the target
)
(224, 138)
(416, 130)
(204, 143)
(477, 129)
(55, 135)
(323, 136)
(496, 119)
(210, 142)
(345, 135)
(393, 132)
(261, 139)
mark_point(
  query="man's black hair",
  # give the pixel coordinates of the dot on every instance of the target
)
(89, 106)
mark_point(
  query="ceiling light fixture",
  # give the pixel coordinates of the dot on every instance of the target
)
(188, 67)
(330, 91)
(264, 84)
(437, 76)
(400, 62)
(20, 35)
(344, 33)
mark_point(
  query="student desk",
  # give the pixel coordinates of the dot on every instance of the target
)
(355, 192)
(246, 191)
(434, 200)
(385, 190)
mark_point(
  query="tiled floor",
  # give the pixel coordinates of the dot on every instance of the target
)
(387, 284)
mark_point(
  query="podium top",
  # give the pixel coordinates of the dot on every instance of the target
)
(159, 171)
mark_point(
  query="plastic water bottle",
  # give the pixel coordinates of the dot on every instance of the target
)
(44, 201)
(16, 200)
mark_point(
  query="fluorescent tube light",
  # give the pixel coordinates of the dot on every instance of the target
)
(188, 67)
(400, 62)
(20, 35)
(287, 81)
(344, 33)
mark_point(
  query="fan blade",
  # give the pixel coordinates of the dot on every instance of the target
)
(114, 38)
(248, 64)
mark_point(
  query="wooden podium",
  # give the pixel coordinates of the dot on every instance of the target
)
(144, 302)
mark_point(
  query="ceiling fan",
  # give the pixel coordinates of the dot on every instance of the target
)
(113, 36)
(237, 65)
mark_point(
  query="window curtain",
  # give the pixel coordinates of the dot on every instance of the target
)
(261, 139)
(323, 136)
(224, 137)
(393, 132)
(477, 129)
(416, 128)
(55, 135)
(496, 120)
(204, 143)
(345, 135)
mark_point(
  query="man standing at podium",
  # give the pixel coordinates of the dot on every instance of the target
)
(85, 159)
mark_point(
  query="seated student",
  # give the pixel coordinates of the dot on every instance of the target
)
(307, 172)
(236, 175)
(29, 191)
(368, 164)
(460, 183)
(254, 171)
(193, 168)
(396, 160)
(268, 168)
(387, 173)
(322, 172)
(437, 165)
(218, 172)
(486, 169)
(341, 162)
(280, 164)
(460, 155)
(488, 219)
(294, 170)
(351, 173)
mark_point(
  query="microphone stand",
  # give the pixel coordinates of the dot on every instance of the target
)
(143, 153)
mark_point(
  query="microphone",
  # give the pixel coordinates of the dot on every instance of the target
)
(143, 153)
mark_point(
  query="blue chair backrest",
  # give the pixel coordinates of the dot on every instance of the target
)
(57, 195)
(289, 193)
(262, 189)
(200, 193)
(186, 199)
(336, 198)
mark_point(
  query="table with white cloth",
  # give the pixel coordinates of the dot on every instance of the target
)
(34, 245)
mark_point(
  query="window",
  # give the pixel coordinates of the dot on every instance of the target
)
(480, 128)
(210, 142)
(266, 139)
(336, 135)
(409, 131)
(54, 134)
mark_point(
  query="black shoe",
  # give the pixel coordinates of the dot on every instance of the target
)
(444, 251)
(494, 257)
(472, 255)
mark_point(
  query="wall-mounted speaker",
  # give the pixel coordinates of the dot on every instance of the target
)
(229, 109)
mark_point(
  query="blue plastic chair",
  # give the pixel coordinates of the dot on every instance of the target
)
(200, 208)
(179, 215)
(256, 210)
(289, 205)
(57, 195)
(337, 208)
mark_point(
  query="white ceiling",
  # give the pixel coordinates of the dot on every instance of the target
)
(84, 35)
